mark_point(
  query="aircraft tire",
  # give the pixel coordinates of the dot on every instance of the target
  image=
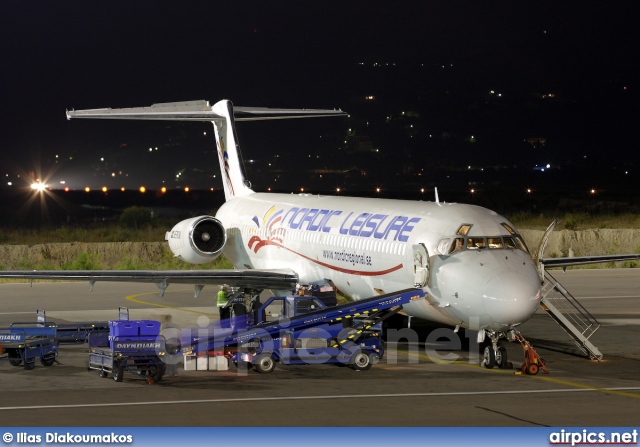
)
(489, 360)
(501, 358)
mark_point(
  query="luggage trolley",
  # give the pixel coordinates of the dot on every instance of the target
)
(135, 346)
(23, 343)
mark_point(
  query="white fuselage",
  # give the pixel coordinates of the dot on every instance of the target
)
(373, 246)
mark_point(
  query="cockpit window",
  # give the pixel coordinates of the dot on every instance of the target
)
(521, 244)
(480, 243)
(456, 245)
(508, 228)
(509, 242)
(476, 243)
(464, 229)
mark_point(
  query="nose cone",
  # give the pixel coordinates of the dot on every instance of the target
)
(511, 298)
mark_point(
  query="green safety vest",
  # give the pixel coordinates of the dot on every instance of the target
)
(222, 298)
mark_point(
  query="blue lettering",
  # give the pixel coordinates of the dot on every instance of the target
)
(301, 212)
(371, 223)
(379, 233)
(325, 221)
(308, 218)
(313, 227)
(407, 228)
(357, 224)
(292, 210)
(397, 224)
(342, 229)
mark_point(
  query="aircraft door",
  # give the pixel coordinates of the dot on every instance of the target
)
(420, 265)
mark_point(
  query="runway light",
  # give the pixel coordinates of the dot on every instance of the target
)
(66, 189)
(104, 189)
(122, 189)
(143, 189)
(593, 191)
(186, 189)
(87, 189)
(529, 190)
(472, 190)
(163, 189)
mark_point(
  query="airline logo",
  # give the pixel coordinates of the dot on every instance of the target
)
(271, 230)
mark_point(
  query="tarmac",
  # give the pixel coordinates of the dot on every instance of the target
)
(426, 384)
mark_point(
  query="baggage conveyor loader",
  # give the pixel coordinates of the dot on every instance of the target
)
(301, 330)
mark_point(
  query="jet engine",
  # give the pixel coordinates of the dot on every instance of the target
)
(197, 240)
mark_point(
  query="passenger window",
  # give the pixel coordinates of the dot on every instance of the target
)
(494, 242)
(456, 245)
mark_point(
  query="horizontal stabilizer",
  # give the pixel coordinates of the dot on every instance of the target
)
(583, 260)
(268, 279)
(198, 111)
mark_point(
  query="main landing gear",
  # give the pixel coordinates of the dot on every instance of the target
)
(496, 355)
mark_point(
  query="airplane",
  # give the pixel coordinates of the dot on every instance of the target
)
(473, 265)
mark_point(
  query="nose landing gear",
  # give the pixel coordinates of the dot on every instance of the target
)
(495, 355)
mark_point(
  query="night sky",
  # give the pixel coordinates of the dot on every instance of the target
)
(444, 60)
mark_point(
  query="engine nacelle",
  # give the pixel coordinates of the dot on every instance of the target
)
(197, 240)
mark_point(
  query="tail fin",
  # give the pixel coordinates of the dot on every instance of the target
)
(223, 115)
(233, 177)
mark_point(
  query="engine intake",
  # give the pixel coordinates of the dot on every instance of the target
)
(197, 240)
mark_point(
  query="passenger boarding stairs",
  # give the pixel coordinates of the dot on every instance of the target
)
(567, 311)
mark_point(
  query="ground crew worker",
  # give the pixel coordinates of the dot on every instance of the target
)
(223, 298)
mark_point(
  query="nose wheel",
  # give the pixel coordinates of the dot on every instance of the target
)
(495, 356)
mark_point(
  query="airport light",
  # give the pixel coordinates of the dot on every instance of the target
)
(186, 189)
(104, 189)
(593, 191)
(163, 189)
(87, 189)
(38, 186)
(66, 189)
(143, 189)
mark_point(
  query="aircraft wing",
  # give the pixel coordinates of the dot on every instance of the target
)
(249, 278)
(583, 260)
(198, 111)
